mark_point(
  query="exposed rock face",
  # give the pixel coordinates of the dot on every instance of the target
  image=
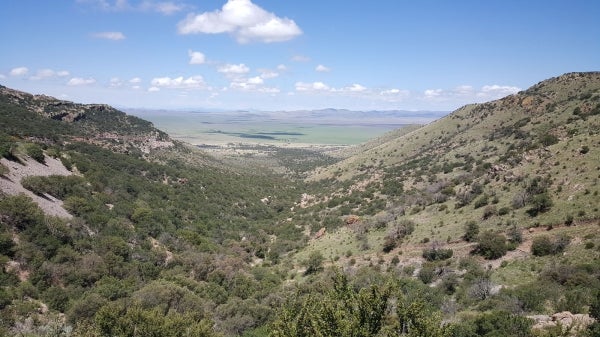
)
(320, 233)
(565, 319)
(99, 124)
(11, 183)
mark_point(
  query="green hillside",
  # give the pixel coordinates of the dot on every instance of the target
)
(483, 223)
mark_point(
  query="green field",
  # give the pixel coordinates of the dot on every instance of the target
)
(216, 128)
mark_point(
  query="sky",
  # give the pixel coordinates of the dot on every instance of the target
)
(293, 55)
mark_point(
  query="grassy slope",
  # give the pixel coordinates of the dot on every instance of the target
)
(507, 134)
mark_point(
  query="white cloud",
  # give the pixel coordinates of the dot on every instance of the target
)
(246, 21)
(20, 71)
(315, 86)
(48, 73)
(233, 69)
(114, 36)
(2, 76)
(394, 92)
(267, 74)
(196, 57)
(78, 81)
(322, 69)
(355, 88)
(135, 80)
(464, 90)
(465, 94)
(432, 93)
(153, 89)
(281, 67)
(193, 82)
(256, 80)
(499, 90)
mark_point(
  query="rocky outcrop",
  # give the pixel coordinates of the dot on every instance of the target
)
(565, 319)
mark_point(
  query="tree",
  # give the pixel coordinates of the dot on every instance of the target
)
(20, 211)
(491, 245)
(314, 263)
(471, 231)
(540, 204)
(543, 245)
(343, 310)
(35, 151)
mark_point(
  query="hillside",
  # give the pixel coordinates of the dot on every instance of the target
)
(492, 163)
(99, 209)
(481, 223)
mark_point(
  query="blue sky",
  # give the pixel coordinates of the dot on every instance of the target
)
(289, 55)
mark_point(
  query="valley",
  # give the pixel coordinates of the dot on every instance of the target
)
(480, 222)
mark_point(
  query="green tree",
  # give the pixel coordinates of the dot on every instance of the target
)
(491, 245)
(314, 263)
(539, 204)
(35, 151)
(345, 311)
(471, 231)
(20, 211)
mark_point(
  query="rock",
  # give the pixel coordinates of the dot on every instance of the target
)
(351, 219)
(320, 233)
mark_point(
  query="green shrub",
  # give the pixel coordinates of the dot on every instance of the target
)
(3, 170)
(427, 273)
(314, 263)
(471, 231)
(35, 151)
(491, 245)
(437, 254)
(543, 245)
(540, 203)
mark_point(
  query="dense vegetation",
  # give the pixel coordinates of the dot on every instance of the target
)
(469, 226)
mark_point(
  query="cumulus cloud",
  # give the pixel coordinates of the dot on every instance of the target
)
(314, 86)
(153, 89)
(394, 92)
(48, 73)
(499, 90)
(281, 67)
(233, 69)
(244, 20)
(468, 94)
(19, 71)
(196, 57)
(322, 69)
(193, 82)
(114, 36)
(135, 80)
(79, 81)
(431, 93)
